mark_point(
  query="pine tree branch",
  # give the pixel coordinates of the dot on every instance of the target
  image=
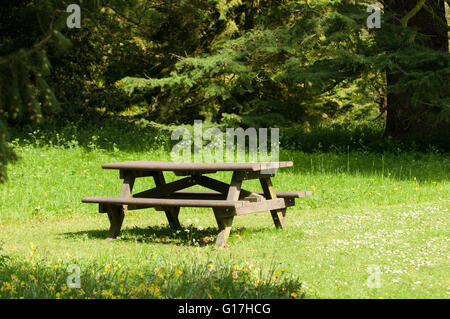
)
(436, 17)
(412, 13)
(124, 17)
(36, 47)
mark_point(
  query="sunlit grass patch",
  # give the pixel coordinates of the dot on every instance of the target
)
(35, 277)
(367, 209)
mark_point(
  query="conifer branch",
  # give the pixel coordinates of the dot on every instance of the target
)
(34, 48)
(436, 17)
(412, 13)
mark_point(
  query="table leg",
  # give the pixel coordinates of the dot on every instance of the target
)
(116, 215)
(172, 217)
(127, 187)
(173, 212)
(224, 222)
(269, 193)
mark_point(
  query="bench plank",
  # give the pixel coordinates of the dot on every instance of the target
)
(217, 195)
(289, 194)
(155, 202)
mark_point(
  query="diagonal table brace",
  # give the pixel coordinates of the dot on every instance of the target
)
(269, 192)
(172, 212)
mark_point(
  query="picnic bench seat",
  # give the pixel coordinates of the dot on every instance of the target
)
(226, 200)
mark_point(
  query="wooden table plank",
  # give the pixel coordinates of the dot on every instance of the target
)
(194, 167)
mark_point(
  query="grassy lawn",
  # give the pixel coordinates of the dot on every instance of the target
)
(368, 211)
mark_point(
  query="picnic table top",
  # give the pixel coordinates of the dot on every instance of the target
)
(180, 166)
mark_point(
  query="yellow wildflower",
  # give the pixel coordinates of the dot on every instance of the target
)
(6, 286)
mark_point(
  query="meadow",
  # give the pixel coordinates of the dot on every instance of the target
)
(373, 218)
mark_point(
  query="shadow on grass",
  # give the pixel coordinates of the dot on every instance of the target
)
(161, 235)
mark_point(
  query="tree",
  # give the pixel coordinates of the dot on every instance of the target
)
(279, 66)
(293, 66)
(410, 108)
(28, 28)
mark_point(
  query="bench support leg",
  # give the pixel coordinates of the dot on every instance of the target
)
(278, 217)
(127, 187)
(172, 217)
(224, 222)
(223, 217)
(269, 193)
(116, 215)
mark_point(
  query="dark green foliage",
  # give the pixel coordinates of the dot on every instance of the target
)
(6, 154)
(361, 137)
(296, 66)
(27, 30)
(258, 71)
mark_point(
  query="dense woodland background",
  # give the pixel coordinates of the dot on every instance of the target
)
(298, 65)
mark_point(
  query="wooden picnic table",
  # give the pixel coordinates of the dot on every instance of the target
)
(226, 200)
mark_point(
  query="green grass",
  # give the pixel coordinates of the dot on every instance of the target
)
(367, 209)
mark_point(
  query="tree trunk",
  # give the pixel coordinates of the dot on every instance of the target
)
(404, 118)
